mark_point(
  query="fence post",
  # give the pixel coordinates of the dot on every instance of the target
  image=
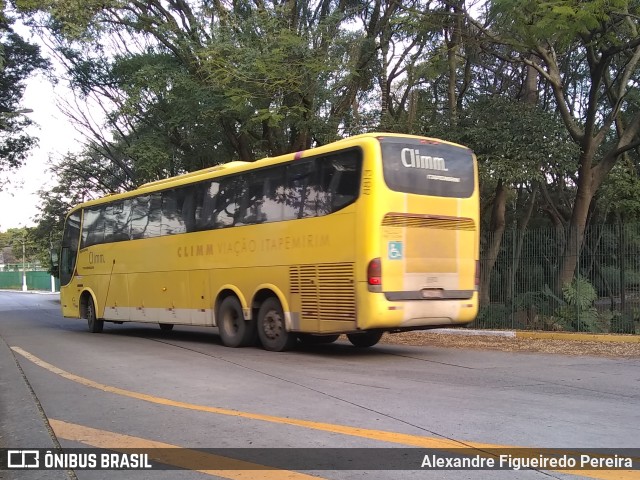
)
(512, 280)
(576, 274)
(53, 284)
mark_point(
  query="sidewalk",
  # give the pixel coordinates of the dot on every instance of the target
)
(22, 423)
(38, 292)
(541, 335)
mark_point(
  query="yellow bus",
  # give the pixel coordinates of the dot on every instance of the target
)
(374, 233)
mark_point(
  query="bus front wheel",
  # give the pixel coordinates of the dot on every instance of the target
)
(95, 325)
(272, 328)
(365, 339)
(235, 331)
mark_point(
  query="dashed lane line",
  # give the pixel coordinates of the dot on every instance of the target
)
(169, 454)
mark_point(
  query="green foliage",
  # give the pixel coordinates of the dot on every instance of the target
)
(576, 311)
(76, 18)
(623, 323)
(19, 60)
(514, 141)
(619, 193)
(557, 22)
(579, 293)
(15, 239)
(492, 316)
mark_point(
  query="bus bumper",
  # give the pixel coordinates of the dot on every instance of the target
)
(375, 311)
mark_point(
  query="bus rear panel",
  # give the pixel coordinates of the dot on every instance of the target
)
(423, 271)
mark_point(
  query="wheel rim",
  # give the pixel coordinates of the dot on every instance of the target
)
(272, 325)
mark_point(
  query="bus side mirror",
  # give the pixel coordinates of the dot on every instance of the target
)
(54, 258)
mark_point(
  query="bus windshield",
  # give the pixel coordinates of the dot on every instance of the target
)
(427, 168)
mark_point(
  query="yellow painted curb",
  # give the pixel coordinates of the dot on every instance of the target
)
(580, 337)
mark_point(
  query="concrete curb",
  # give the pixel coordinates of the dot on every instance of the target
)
(33, 292)
(580, 337)
(469, 332)
(540, 335)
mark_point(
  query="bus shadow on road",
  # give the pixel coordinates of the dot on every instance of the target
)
(210, 337)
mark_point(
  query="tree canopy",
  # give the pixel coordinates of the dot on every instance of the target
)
(18, 60)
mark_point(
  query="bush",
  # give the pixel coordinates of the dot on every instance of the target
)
(492, 316)
(622, 323)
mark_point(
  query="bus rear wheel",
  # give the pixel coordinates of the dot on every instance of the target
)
(272, 329)
(95, 325)
(235, 331)
(365, 339)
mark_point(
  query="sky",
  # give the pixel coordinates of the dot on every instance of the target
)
(57, 136)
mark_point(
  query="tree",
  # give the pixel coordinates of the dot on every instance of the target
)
(513, 163)
(587, 52)
(275, 77)
(18, 60)
(13, 241)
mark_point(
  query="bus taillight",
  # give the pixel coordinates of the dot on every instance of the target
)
(477, 275)
(374, 272)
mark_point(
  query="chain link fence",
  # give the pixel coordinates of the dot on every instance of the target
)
(523, 291)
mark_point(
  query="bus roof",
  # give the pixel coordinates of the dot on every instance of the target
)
(240, 166)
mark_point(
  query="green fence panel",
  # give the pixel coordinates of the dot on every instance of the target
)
(11, 280)
(35, 281)
(39, 281)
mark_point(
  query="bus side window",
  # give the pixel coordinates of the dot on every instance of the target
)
(252, 200)
(117, 221)
(93, 226)
(146, 216)
(228, 204)
(274, 194)
(139, 216)
(299, 201)
(206, 219)
(341, 180)
(191, 200)
(172, 221)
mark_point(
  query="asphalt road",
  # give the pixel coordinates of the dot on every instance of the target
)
(135, 386)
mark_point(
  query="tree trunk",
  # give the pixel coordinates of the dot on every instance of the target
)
(495, 240)
(577, 224)
(523, 223)
(453, 45)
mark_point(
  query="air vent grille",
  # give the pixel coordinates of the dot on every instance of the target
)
(327, 291)
(426, 221)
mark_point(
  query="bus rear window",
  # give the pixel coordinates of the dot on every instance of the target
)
(438, 169)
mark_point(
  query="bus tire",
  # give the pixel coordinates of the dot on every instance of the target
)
(95, 325)
(234, 330)
(272, 329)
(166, 327)
(365, 339)
(310, 339)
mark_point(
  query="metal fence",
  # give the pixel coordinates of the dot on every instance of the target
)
(604, 295)
(40, 280)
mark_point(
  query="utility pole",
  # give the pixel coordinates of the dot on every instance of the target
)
(24, 266)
